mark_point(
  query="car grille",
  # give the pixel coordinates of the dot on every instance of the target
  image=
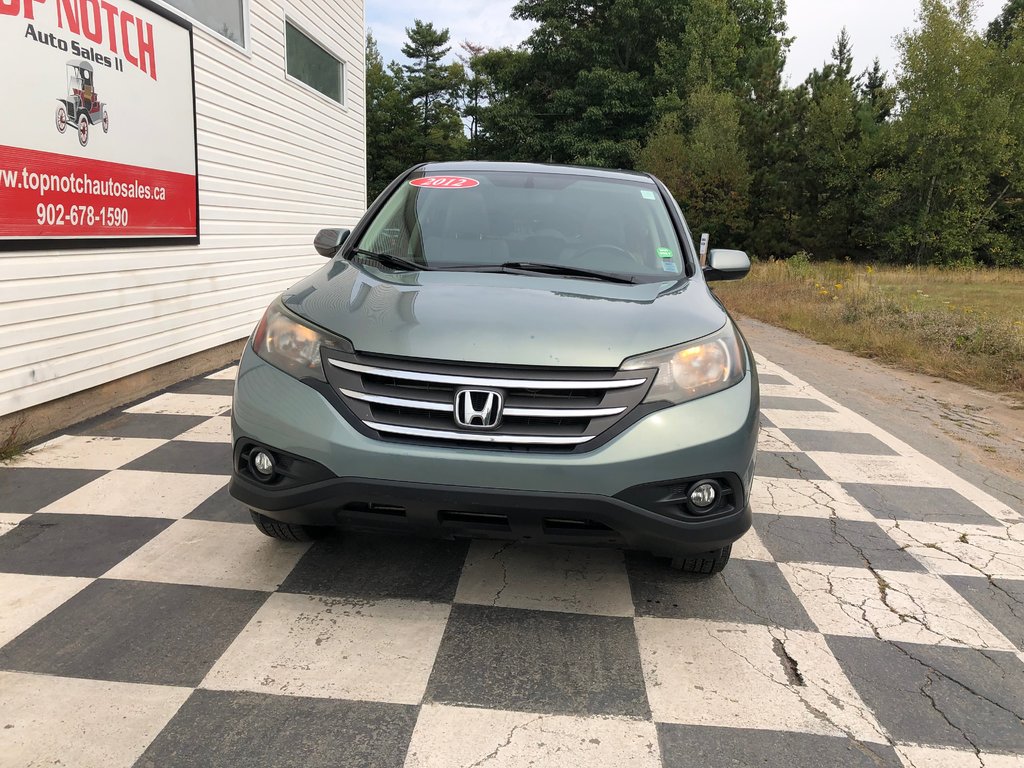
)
(545, 409)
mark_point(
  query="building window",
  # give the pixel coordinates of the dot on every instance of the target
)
(225, 17)
(309, 62)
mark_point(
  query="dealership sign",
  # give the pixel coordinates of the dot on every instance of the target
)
(98, 140)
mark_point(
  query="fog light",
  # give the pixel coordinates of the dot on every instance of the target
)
(704, 495)
(263, 464)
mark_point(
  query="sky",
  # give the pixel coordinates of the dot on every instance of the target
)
(872, 25)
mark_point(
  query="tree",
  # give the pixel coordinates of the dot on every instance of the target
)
(951, 140)
(1006, 26)
(582, 86)
(769, 115)
(876, 94)
(1006, 185)
(697, 147)
(834, 164)
(475, 92)
(436, 89)
(391, 121)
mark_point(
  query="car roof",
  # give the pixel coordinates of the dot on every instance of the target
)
(469, 166)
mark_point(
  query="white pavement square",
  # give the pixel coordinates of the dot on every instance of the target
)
(81, 723)
(212, 554)
(740, 675)
(135, 493)
(502, 739)
(175, 404)
(892, 605)
(75, 452)
(301, 645)
(573, 580)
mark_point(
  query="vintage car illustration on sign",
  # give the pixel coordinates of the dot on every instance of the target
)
(81, 106)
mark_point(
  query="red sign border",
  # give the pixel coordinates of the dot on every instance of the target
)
(113, 242)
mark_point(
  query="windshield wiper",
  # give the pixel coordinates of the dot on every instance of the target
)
(546, 269)
(396, 262)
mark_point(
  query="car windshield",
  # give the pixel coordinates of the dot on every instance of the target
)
(485, 219)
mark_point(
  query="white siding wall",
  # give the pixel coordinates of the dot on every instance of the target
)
(276, 162)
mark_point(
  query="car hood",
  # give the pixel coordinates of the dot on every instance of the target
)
(503, 318)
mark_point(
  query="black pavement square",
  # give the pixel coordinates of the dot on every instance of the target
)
(135, 632)
(685, 746)
(74, 545)
(831, 541)
(771, 378)
(186, 456)
(1001, 601)
(946, 696)
(539, 661)
(794, 466)
(159, 426)
(205, 387)
(776, 403)
(221, 508)
(29, 489)
(746, 592)
(372, 566)
(931, 505)
(838, 442)
(215, 729)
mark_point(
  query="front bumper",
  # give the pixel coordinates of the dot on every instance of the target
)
(562, 498)
(481, 513)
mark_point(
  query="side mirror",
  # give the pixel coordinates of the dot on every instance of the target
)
(328, 241)
(726, 265)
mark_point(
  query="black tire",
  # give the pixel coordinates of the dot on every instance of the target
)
(706, 564)
(284, 531)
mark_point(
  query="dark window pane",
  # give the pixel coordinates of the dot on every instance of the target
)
(222, 16)
(311, 64)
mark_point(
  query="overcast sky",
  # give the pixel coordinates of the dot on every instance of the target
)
(872, 24)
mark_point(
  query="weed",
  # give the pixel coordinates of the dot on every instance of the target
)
(12, 444)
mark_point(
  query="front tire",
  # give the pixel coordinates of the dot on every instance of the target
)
(61, 118)
(706, 564)
(284, 531)
(83, 129)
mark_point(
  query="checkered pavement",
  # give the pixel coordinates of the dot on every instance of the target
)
(874, 616)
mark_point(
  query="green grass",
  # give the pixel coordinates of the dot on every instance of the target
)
(967, 326)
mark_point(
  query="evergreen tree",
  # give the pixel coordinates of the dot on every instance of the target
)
(697, 147)
(834, 161)
(436, 89)
(475, 93)
(391, 121)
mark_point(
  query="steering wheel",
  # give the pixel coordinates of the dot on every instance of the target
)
(614, 256)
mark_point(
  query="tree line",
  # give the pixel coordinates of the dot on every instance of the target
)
(923, 166)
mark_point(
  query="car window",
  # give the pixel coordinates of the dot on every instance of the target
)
(487, 218)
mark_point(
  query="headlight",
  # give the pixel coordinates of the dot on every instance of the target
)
(694, 369)
(288, 344)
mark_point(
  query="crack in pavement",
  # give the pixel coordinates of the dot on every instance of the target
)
(504, 571)
(511, 735)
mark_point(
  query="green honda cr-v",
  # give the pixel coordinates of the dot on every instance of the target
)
(506, 350)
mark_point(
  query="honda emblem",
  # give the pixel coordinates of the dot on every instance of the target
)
(478, 408)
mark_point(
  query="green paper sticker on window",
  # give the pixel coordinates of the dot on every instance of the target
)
(648, 195)
(665, 253)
